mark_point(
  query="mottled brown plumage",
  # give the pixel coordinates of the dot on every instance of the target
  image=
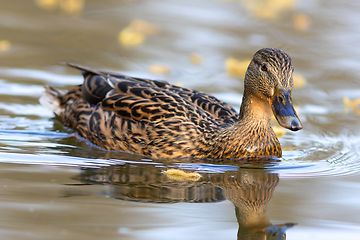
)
(157, 119)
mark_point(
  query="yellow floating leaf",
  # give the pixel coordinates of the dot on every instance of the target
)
(135, 33)
(281, 4)
(347, 101)
(72, 6)
(180, 175)
(354, 105)
(269, 9)
(301, 22)
(144, 27)
(47, 4)
(4, 45)
(236, 68)
(159, 69)
(129, 37)
(195, 58)
(265, 13)
(299, 81)
(351, 104)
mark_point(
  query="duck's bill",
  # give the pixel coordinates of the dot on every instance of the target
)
(278, 231)
(284, 111)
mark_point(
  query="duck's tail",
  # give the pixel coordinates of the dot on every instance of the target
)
(51, 99)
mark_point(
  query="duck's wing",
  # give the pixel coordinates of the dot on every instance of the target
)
(100, 84)
(130, 115)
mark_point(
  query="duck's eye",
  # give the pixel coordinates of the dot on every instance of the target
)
(264, 67)
(282, 100)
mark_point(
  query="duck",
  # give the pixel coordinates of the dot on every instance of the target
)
(159, 120)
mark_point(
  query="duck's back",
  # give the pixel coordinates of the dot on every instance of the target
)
(154, 118)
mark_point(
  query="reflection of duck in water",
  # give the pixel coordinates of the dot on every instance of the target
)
(157, 119)
(145, 183)
(249, 190)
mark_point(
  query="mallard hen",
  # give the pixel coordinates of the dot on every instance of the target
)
(157, 119)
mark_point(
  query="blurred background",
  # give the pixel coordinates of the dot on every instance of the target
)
(46, 191)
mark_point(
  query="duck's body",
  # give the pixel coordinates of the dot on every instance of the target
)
(157, 119)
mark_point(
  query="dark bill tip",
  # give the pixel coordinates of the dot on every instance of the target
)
(295, 125)
(290, 122)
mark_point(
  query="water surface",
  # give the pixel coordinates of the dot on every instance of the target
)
(54, 185)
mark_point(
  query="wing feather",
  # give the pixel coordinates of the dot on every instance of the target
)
(154, 90)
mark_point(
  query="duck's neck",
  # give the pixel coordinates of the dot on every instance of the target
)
(254, 110)
(251, 135)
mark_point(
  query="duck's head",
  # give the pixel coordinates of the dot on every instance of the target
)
(269, 77)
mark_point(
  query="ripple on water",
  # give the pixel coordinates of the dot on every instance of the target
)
(329, 156)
